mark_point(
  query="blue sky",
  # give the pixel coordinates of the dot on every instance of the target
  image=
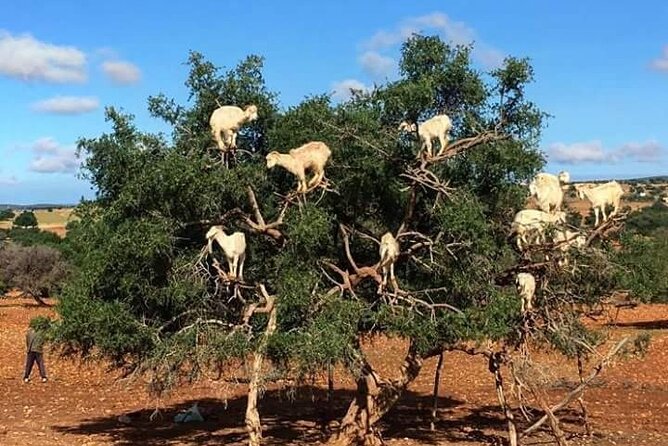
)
(601, 70)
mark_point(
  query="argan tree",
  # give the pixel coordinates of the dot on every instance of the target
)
(150, 299)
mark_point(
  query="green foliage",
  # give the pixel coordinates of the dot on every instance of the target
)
(40, 323)
(644, 254)
(644, 261)
(646, 220)
(33, 237)
(26, 219)
(146, 296)
(6, 214)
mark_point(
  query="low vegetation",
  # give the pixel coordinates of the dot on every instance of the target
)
(644, 254)
(37, 271)
(26, 219)
(7, 214)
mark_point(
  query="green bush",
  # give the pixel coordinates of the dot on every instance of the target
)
(647, 220)
(34, 236)
(26, 219)
(644, 259)
(6, 214)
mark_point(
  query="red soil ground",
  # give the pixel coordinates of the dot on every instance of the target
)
(82, 402)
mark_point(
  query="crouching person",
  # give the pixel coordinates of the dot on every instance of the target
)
(34, 344)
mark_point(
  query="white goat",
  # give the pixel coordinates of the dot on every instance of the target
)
(234, 247)
(526, 287)
(600, 196)
(532, 220)
(227, 120)
(437, 127)
(548, 192)
(564, 178)
(311, 156)
(389, 253)
(565, 240)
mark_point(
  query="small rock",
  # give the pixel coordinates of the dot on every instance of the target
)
(124, 419)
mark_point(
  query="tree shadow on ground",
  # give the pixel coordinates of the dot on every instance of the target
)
(303, 419)
(643, 325)
(298, 420)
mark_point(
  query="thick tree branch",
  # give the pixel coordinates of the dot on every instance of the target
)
(259, 225)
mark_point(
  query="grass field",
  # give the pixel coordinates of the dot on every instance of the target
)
(53, 221)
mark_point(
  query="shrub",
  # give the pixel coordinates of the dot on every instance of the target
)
(645, 265)
(645, 221)
(26, 219)
(33, 237)
(6, 214)
(36, 270)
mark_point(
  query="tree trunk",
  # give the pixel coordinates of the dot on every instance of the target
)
(375, 397)
(495, 368)
(585, 413)
(253, 424)
(437, 380)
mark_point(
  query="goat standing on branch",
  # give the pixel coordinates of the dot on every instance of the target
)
(389, 253)
(565, 240)
(227, 120)
(437, 127)
(526, 287)
(601, 196)
(234, 247)
(564, 178)
(532, 220)
(548, 190)
(311, 156)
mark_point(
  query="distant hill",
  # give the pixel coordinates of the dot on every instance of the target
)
(654, 179)
(35, 206)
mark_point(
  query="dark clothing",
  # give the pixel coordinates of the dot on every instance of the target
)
(34, 341)
(30, 360)
(34, 345)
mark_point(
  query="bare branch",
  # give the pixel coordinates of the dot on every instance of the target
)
(467, 143)
(351, 134)
(575, 393)
(260, 226)
(254, 205)
(200, 321)
(346, 244)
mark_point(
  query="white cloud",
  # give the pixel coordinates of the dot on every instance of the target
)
(377, 65)
(459, 33)
(594, 152)
(51, 157)
(661, 63)
(343, 89)
(9, 181)
(25, 58)
(67, 105)
(579, 152)
(45, 145)
(646, 152)
(121, 72)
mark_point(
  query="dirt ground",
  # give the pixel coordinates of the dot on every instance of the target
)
(82, 401)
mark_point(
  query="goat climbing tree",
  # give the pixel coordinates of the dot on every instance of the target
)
(311, 291)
